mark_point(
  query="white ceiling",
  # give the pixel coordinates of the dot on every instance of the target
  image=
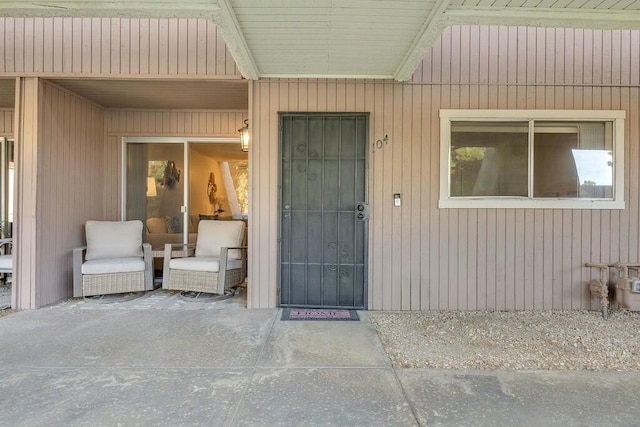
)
(343, 38)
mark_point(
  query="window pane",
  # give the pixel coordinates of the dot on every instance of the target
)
(489, 159)
(573, 160)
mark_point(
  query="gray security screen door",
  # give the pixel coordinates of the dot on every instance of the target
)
(323, 210)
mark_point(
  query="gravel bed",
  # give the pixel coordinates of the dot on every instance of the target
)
(522, 340)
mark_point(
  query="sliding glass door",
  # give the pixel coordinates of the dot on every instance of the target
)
(6, 186)
(155, 189)
(171, 183)
(218, 181)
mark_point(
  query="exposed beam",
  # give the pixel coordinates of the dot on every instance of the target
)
(533, 17)
(225, 19)
(428, 34)
(109, 9)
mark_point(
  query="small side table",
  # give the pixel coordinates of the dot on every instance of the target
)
(178, 250)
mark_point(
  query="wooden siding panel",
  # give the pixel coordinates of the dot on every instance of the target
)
(135, 53)
(68, 175)
(9, 45)
(59, 47)
(430, 100)
(20, 48)
(55, 131)
(414, 157)
(506, 55)
(468, 259)
(26, 133)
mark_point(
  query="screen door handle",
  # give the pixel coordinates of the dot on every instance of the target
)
(362, 211)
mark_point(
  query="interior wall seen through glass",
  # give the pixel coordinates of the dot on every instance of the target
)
(573, 160)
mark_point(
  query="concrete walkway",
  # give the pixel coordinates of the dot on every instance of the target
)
(91, 365)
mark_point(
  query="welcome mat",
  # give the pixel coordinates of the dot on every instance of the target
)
(318, 314)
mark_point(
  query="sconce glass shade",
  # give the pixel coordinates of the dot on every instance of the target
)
(151, 187)
(244, 136)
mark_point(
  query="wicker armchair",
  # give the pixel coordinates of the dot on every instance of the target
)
(218, 264)
(114, 260)
(6, 259)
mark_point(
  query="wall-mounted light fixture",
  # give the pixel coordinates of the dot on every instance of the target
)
(151, 187)
(244, 136)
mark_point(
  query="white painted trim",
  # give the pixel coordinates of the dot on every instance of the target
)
(185, 198)
(107, 9)
(429, 32)
(524, 203)
(445, 202)
(227, 78)
(445, 158)
(225, 19)
(179, 139)
(547, 17)
(328, 76)
(551, 115)
(618, 152)
(123, 179)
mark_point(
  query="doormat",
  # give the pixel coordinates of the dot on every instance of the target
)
(318, 314)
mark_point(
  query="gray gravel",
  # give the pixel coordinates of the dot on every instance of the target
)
(524, 340)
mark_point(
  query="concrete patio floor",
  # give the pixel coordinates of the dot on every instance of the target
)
(77, 364)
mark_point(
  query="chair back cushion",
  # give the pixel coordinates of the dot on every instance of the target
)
(6, 263)
(213, 235)
(113, 239)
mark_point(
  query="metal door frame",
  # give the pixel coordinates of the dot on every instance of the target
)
(365, 115)
(7, 145)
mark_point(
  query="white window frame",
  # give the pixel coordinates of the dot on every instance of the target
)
(617, 117)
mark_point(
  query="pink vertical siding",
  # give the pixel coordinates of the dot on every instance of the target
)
(70, 170)
(23, 295)
(58, 156)
(58, 47)
(425, 258)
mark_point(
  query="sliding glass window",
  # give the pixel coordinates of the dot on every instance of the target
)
(531, 159)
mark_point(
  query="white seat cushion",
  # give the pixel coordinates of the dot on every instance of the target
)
(213, 235)
(211, 264)
(113, 239)
(6, 262)
(113, 265)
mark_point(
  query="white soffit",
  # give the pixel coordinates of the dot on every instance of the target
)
(330, 38)
(344, 38)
